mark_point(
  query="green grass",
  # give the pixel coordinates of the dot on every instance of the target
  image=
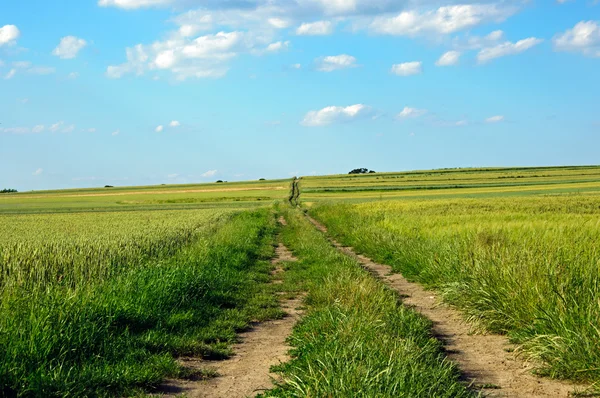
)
(111, 336)
(527, 267)
(356, 339)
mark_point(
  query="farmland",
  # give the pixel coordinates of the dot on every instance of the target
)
(104, 289)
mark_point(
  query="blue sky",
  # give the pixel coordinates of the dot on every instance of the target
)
(136, 92)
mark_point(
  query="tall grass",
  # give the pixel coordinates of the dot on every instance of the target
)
(526, 267)
(107, 336)
(356, 339)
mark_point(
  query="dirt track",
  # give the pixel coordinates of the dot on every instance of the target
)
(247, 373)
(483, 359)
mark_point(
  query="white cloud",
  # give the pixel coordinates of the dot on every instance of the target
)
(11, 73)
(334, 114)
(91, 130)
(408, 68)
(209, 173)
(448, 58)
(28, 68)
(444, 20)
(479, 42)
(116, 132)
(62, 127)
(172, 176)
(38, 129)
(68, 47)
(506, 48)
(73, 75)
(56, 126)
(68, 129)
(15, 130)
(584, 37)
(38, 172)
(204, 57)
(335, 62)
(319, 28)
(133, 4)
(159, 129)
(9, 34)
(174, 123)
(279, 23)
(409, 112)
(495, 119)
(278, 46)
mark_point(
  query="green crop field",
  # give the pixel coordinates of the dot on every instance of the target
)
(102, 290)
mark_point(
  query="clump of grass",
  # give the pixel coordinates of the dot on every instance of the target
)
(108, 337)
(356, 339)
(526, 267)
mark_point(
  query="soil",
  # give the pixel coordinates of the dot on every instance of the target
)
(246, 374)
(487, 361)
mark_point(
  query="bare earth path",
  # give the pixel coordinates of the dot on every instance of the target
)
(247, 373)
(483, 359)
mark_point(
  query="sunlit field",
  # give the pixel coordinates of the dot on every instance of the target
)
(521, 260)
(103, 289)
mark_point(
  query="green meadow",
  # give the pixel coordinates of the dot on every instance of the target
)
(102, 290)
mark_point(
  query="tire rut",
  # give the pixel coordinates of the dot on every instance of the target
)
(247, 373)
(486, 361)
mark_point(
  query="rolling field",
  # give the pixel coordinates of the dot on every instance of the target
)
(102, 290)
(519, 259)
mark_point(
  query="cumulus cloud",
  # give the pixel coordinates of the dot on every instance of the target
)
(279, 23)
(319, 28)
(159, 129)
(38, 129)
(209, 173)
(334, 114)
(448, 59)
(38, 172)
(408, 68)
(335, 62)
(236, 27)
(584, 37)
(204, 57)
(506, 48)
(444, 20)
(409, 112)
(69, 47)
(174, 123)
(495, 119)
(9, 35)
(278, 46)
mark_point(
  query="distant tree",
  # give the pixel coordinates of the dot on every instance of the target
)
(372, 172)
(361, 171)
(261, 179)
(219, 181)
(8, 190)
(108, 186)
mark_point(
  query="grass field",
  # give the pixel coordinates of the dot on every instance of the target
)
(101, 290)
(525, 265)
